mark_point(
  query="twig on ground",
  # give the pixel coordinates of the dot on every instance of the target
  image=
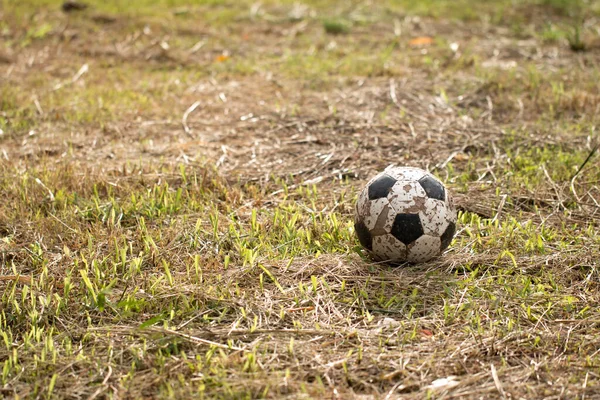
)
(84, 69)
(186, 114)
(197, 46)
(18, 278)
(39, 182)
(497, 381)
(62, 223)
(557, 190)
(500, 207)
(588, 158)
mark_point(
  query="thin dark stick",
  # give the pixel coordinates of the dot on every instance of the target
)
(586, 161)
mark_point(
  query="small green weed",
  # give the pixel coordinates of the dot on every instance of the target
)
(336, 27)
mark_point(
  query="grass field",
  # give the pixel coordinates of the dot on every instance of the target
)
(177, 182)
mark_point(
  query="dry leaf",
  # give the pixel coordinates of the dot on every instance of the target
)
(426, 332)
(421, 41)
(461, 157)
(444, 383)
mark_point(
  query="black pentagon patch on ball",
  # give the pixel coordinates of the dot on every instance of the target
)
(380, 187)
(407, 228)
(433, 188)
(364, 236)
(448, 235)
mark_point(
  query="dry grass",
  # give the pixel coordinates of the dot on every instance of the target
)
(178, 184)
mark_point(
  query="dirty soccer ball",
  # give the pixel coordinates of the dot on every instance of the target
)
(404, 214)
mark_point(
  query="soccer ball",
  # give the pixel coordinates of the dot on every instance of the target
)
(404, 214)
